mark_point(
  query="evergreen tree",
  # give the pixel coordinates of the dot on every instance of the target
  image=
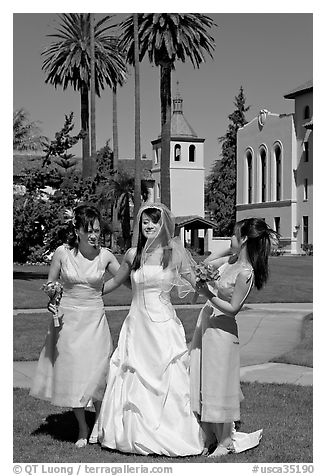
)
(58, 148)
(220, 193)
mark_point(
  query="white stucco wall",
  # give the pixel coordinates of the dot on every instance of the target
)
(187, 192)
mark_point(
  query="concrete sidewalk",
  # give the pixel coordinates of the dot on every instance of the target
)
(265, 332)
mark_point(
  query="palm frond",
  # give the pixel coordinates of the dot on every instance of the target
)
(173, 36)
(67, 60)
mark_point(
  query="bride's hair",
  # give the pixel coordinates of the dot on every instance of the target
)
(155, 215)
(84, 215)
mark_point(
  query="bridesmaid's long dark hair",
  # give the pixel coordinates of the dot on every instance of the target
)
(259, 240)
(85, 215)
(155, 216)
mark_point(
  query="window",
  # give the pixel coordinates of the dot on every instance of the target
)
(305, 189)
(306, 112)
(249, 177)
(263, 174)
(306, 151)
(305, 230)
(192, 150)
(277, 224)
(278, 173)
(177, 153)
(157, 155)
(158, 191)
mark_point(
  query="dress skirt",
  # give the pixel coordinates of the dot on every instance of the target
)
(215, 367)
(146, 406)
(75, 357)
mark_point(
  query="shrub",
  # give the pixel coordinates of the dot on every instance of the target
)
(307, 248)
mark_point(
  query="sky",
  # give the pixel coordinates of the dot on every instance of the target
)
(269, 54)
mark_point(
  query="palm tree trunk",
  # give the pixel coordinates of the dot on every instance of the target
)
(114, 208)
(137, 190)
(126, 223)
(84, 115)
(115, 128)
(165, 88)
(92, 85)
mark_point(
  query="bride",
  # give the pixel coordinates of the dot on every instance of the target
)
(146, 406)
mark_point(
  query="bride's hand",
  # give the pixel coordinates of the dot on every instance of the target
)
(52, 308)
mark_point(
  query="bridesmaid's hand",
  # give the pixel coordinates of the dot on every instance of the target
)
(202, 288)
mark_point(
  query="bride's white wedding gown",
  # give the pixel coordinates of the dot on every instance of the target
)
(146, 406)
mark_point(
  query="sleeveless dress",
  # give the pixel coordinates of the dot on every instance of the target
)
(215, 361)
(75, 356)
(146, 406)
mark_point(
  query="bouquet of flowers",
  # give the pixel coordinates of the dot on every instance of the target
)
(204, 273)
(54, 291)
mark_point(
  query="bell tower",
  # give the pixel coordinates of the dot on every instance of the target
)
(187, 172)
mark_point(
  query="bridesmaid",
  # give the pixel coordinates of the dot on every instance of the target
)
(75, 355)
(214, 351)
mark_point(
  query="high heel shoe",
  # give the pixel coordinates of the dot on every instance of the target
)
(209, 448)
(222, 450)
(81, 443)
(93, 439)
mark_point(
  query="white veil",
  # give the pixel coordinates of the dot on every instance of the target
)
(175, 257)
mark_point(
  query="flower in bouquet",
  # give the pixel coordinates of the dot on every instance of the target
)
(204, 273)
(54, 291)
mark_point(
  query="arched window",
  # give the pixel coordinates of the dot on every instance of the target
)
(177, 153)
(249, 176)
(192, 151)
(156, 156)
(306, 112)
(278, 172)
(263, 175)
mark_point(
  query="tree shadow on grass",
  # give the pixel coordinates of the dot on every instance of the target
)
(63, 426)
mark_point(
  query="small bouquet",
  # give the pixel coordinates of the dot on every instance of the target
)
(204, 273)
(54, 291)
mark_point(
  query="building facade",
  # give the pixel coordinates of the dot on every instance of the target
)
(187, 177)
(274, 170)
(187, 171)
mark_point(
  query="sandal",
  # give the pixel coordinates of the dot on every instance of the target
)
(209, 448)
(81, 443)
(222, 450)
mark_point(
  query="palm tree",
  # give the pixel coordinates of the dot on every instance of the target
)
(137, 120)
(67, 62)
(115, 129)
(122, 193)
(27, 134)
(168, 37)
(92, 86)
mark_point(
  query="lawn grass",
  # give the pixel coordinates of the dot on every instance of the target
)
(29, 330)
(290, 281)
(46, 434)
(302, 354)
